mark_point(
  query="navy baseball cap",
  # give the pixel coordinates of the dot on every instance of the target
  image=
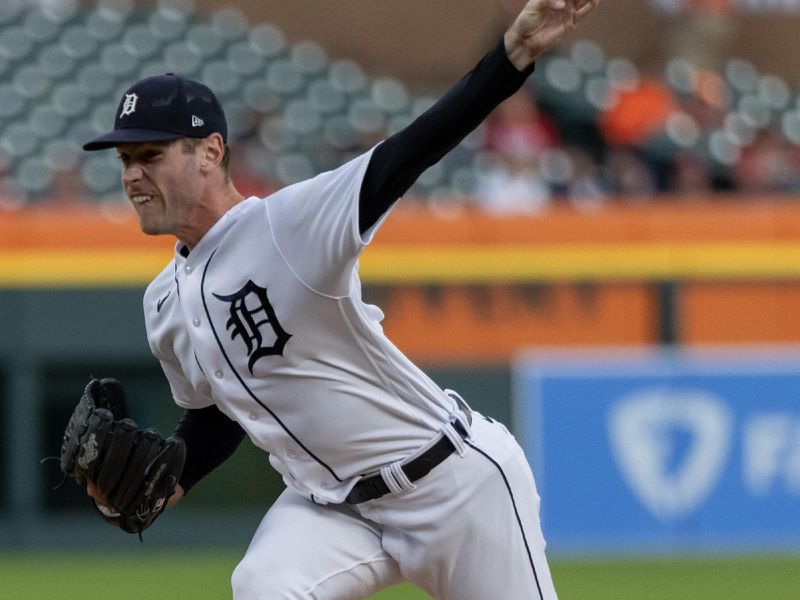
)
(162, 108)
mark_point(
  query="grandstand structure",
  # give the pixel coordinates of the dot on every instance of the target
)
(294, 111)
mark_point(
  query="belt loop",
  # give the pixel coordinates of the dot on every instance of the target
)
(455, 438)
(396, 479)
(462, 412)
(401, 477)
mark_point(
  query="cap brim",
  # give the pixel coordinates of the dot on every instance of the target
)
(127, 136)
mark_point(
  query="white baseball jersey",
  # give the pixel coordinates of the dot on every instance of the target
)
(264, 318)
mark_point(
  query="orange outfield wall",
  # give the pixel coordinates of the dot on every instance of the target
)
(674, 219)
(463, 286)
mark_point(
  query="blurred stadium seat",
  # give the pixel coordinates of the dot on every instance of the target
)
(182, 58)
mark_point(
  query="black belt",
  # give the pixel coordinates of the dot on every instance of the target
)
(374, 486)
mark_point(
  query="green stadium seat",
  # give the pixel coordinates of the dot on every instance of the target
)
(61, 154)
(275, 136)
(722, 148)
(18, 140)
(790, 125)
(267, 40)
(340, 133)
(185, 8)
(308, 58)
(753, 111)
(69, 100)
(243, 58)
(102, 117)
(242, 119)
(681, 76)
(105, 25)
(599, 93)
(205, 40)
(55, 62)
(622, 74)
(33, 175)
(683, 131)
(9, 11)
(301, 118)
(182, 59)
(77, 42)
(94, 80)
(167, 24)
(324, 97)
(283, 77)
(390, 95)
(218, 75)
(463, 181)
(741, 75)
(100, 174)
(46, 122)
(563, 75)
(15, 43)
(140, 41)
(293, 167)
(118, 60)
(81, 131)
(31, 82)
(41, 26)
(11, 103)
(588, 57)
(154, 67)
(258, 95)
(365, 116)
(124, 8)
(347, 76)
(229, 23)
(774, 92)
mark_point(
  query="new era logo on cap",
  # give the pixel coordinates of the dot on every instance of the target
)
(162, 108)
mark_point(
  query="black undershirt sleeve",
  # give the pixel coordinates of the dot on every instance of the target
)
(211, 438)
(398, 161)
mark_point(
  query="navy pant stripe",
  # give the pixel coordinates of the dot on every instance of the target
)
(516, 513)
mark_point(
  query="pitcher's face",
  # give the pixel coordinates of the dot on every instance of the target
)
(162, 180)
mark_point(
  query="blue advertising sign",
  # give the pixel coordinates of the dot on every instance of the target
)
(663, 451)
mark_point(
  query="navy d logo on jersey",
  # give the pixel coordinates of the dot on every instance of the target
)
(252, 315)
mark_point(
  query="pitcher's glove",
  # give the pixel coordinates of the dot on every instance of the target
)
(136, 471)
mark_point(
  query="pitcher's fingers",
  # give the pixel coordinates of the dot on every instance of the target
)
(585, 8)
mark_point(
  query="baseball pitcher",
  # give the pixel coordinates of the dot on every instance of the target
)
(260, 328)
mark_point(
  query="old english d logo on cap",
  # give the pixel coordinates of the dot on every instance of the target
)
(162, 108)
(128, 104)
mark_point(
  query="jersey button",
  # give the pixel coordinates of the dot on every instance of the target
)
(253, 416)
(218, 374)
(188, 269)
(291, 454)
(196, 322)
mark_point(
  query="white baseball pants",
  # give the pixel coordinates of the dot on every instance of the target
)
(469, 530)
